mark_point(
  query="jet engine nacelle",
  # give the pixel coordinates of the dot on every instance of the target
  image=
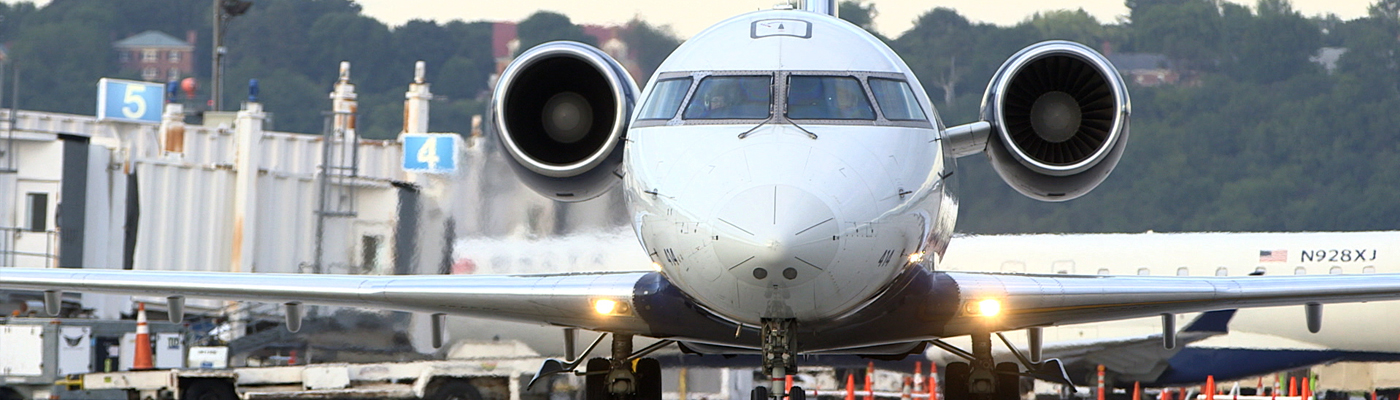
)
(561, 110)
(1059, 114)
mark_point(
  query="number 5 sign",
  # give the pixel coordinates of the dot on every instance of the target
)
(129, 101)
(430, 152)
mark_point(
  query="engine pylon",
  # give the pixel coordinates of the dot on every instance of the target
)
(142, 359)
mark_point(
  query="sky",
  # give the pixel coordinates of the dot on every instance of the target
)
(686, 18)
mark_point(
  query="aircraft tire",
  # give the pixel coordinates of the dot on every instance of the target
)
(797, 393)
(209, 389)
(759, 393)
(595, 384)
(455, 389)
(1008, 382)
(955, 381)
(648, 379)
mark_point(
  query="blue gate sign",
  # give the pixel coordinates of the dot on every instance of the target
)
(130, 101)
(430, 152)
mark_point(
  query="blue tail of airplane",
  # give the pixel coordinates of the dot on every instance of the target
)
(1212, 321)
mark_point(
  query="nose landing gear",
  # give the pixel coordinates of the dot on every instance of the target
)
(779, 360)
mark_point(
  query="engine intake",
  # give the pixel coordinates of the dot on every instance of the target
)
(561, 110)
(1059, 114)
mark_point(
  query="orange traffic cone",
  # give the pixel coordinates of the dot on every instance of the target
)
(932, 381)
(1210, 387)
(918, 376)
(142, 359)
(1307, 389)
(850, 386)
(1137, 391)
(1292, 386)
(869, 370)
(1101, 383)
(787, 385)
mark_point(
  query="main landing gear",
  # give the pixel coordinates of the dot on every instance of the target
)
(625, 375)
(982, 378)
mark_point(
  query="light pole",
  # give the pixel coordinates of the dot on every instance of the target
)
(223, 11)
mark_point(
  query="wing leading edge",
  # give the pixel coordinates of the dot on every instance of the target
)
(563, 299)
(1041, 300)
(924, 305)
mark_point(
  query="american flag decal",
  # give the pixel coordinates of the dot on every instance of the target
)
(1273, 255)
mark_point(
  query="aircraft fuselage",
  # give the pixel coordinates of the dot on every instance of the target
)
(809, 201)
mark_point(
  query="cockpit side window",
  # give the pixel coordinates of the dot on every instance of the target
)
(896, 100)
(666, 99)
(732, 97)
(827, 97)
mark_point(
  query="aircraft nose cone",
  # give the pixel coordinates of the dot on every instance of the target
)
(775, 235)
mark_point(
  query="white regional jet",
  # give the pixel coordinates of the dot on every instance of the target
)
(789, 177)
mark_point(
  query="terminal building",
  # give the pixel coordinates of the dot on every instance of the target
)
(81, 191)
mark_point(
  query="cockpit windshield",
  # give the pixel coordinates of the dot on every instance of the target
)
(827, 97)
(808, 97)
(666, 99)
(732, 97)
(896, 100)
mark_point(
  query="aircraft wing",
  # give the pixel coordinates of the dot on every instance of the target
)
(558, 299)
(1043, 300)
(920, 306)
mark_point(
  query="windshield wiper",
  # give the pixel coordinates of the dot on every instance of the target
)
(755, 127)
(799, 127)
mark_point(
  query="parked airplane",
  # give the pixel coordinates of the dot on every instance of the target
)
(787, 175)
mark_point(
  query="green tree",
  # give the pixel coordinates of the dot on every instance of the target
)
(426, 41)
(1076, 25)
(933, 46)
(12, 16)
(294, 100)
(649, 44)
(361, 40)
(1385, 10)
(545, 26)
(1188, 32)
(61, 52)
(951, 55)
(860, 14)
(276, 33)
(1274, 45)
(474, 47)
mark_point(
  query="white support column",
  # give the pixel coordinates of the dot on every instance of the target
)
(432, 219)
(344, 104)
(172, 129)
(415, 105)
(248, 134)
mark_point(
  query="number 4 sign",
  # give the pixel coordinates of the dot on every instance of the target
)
(430, 152)
(129, 101)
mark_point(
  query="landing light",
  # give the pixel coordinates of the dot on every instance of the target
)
(988, 308)
(656, 266)
(604, 306)
(916, 257)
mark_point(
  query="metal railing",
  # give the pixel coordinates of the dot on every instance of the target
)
(17, 245)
